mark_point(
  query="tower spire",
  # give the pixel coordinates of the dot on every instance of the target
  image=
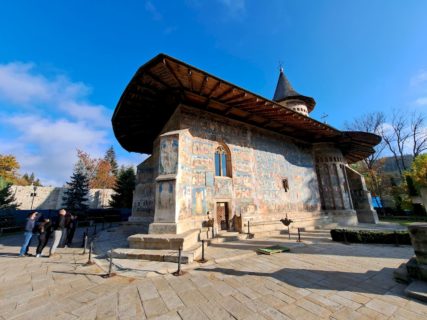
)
(286, 95)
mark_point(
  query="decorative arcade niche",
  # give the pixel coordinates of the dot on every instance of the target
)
(333, 183)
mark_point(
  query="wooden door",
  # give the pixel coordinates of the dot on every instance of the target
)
(222, 215)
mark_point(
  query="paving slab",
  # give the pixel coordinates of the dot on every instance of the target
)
(318, 279)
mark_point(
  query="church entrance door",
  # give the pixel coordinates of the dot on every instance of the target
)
(222, 215)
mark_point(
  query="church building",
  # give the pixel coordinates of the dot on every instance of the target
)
(220, 151)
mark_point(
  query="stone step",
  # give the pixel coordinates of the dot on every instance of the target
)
(164, 241)
(187, 256)
(227, 237)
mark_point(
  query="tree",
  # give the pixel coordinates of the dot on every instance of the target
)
(418, 171)
(371, 166)
(9, 167)
(124, 188)
(418, 134)
(75, 197)
(27, 180)
(7, 198)
(110, 156)
(98, 171)
(396, 137)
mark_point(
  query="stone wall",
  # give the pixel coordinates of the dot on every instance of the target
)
(49, 198)
(260, 160)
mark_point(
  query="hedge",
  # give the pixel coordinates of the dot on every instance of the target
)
(369, 236)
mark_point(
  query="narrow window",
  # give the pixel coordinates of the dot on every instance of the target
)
(222, 162)
(217, 164)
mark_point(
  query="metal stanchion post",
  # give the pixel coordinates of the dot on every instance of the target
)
(249, 228)
(89, 261)
(213, 231)
(110, 266)
(299, 235)
(83, 240)
(179, 271)
(203, 260)
(289, 233)
(85, 245)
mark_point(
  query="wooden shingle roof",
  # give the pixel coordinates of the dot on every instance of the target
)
(160, 85)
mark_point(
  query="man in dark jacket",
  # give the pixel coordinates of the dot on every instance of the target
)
(59, 228)
(44, 231)
(28, 234)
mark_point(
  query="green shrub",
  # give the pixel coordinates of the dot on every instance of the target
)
(368, 236)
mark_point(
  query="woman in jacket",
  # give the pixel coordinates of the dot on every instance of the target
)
(44, 231)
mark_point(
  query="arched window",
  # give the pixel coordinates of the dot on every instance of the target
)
(222, 162)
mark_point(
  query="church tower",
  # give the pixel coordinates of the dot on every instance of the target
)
(288, 97)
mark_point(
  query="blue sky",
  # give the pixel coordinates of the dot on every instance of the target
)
(64, 64)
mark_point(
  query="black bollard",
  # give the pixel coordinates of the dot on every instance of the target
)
(289, 233)
(179, 271)
(203, 260)
(89, 261)
(396, 239)
(249, 229)
(299, 235)
(83, 240)
(85, 245)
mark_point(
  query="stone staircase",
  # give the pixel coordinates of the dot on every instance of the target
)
(164, 247)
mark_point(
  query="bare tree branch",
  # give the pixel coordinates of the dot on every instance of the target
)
(419, 134)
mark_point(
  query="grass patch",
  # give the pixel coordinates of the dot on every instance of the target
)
(404, 220)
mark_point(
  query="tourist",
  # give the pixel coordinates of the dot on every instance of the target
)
(28, 234)
(44, 229)
(58, 229)
(67, 222)
(71, 229)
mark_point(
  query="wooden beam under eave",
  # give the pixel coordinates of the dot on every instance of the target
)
(225, 93)
(170, 69)
(245, 103)
(203, 85)
(217, 86)
(190, 79)
(236, 97)
(156, 78)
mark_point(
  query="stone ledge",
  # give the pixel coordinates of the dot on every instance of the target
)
(417, 289)
(164, 241)
(187, 256)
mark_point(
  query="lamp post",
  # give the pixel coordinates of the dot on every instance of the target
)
(33, 195)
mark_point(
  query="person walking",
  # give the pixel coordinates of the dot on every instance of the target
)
(57, 234)
(28, 234)
(71, 229)
(44, 229)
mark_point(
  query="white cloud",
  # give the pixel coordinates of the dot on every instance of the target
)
(155, 14)
(45, 144)
(421, 101)
(48, 147)
(419, 78)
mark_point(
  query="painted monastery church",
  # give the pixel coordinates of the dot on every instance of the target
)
(218, 151)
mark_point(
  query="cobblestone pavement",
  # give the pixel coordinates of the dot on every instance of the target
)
(320, 280)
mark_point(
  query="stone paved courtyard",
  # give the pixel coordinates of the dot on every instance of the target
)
(316, 280)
